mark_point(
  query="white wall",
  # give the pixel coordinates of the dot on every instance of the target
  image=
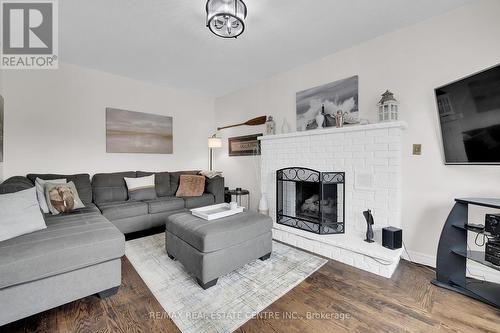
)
(411, 62)
(55, 122)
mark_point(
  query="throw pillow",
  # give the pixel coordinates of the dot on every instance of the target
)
(191, 186)
(40, 192)
(62, 198)
(20, 214)
(142, 188)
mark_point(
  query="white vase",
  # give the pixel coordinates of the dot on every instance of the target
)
(263, 206)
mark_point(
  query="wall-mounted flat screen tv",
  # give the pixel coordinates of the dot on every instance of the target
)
(469, 113)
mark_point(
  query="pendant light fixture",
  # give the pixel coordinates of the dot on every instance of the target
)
(226, 18)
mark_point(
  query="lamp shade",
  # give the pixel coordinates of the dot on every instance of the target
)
(214, 142)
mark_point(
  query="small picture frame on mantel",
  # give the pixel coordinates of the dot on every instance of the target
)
(248, 145)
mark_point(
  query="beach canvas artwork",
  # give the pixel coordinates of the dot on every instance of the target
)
(137, 132)
(337, 96)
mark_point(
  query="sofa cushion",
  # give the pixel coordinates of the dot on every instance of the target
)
(206, 199)
(209, 236)
(216, 187)
(82, 183)
(70, 242)
(89, 209)
(110, 187)
(120, 210)
(162, 182)
(165, 204)
(175, 179)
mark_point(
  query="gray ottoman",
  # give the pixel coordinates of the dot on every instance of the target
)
(211, 249)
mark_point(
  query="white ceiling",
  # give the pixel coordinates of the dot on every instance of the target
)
(166, 41)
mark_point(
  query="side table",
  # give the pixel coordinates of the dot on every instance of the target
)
(238, 193)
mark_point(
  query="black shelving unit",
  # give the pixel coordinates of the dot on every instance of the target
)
(453, 254)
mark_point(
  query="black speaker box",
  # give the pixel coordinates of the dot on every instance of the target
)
(492, 252)
(492, 225)
(392, 238)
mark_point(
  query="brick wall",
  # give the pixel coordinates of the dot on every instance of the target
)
(370, 155)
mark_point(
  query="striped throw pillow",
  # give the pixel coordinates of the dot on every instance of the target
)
(142, 188)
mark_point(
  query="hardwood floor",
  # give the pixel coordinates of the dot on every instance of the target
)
(350, 300)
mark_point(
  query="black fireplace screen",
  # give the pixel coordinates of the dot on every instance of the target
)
(311, 200)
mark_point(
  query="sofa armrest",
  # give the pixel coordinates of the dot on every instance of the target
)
(215, 186)
(15, 184)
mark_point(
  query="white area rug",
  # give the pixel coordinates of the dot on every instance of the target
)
(236, 297)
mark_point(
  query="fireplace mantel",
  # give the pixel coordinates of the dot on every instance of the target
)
(333, 130)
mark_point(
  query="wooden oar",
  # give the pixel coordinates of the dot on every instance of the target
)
(251, 122)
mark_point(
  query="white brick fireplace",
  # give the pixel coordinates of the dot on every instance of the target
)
(370, 156)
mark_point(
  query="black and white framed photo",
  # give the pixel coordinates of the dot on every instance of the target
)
(337, 96)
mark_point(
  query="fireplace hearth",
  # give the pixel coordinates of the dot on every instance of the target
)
(311, 200)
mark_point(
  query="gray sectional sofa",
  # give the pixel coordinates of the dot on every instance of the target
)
(78, 254)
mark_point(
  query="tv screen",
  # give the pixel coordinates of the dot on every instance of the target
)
(469, 113)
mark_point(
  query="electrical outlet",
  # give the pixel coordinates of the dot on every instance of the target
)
(417, 149)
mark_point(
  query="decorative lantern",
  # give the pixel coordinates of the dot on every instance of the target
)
(388, 107)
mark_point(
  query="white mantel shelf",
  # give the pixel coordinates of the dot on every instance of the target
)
(332, 130)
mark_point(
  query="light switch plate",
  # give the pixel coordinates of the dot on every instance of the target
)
(417, 149)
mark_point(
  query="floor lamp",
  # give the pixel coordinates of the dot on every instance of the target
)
(213, 143)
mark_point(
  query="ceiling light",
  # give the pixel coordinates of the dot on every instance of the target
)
(226, 18)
